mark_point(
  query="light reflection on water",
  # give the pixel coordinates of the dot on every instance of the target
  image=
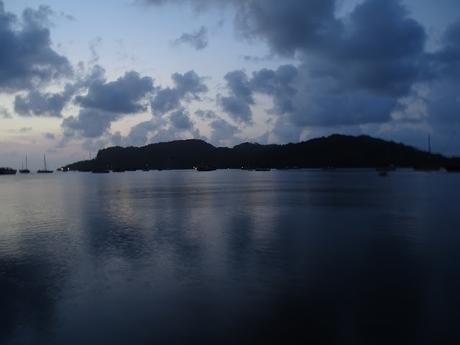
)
(229, 257)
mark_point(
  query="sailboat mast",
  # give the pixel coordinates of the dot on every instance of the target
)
(26, 162)
(44, 162)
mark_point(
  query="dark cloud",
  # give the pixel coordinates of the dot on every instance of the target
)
(89, 123)
(107, 102)
(187, 86)
(27, 59)
(166, 100)
(289, 25)
(180, 119)
(446, 61)
(223, 133)
(238, 103)
(123, 95)
(443, 104)
(198, 39)
(238, 108)
(189, 83)
(323, 105)
(284, 25)
(40, 104)
(280, 84)
(352, 70)
(382, 50)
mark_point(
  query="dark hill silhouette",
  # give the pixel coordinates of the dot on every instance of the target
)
(338, 151)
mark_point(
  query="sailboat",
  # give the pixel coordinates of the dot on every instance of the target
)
(430, 163)
(45, 169)
(26, 170)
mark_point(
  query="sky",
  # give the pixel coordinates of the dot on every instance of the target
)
(78, 76)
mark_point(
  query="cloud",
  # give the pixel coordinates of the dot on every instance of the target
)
(187, 86)
(28, 59)
(284, 25)
(40, 104)
(139, 134)
(67, 16)
(198, 39)
(357, 70)
(382, 50)
(238, 103)
(45, 104)
(223, 133)
(180, 119)
(279, 83)
(49, 136)
(89, 123)
(206, 114)
(446, 61)
(189, 83)
(123, 95)
(166, 100)
(105, 103)
(289, 25)
(177, 125)
(376, 53)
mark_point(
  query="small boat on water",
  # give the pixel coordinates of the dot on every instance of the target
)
(45, 168)
(7, 171)
(24, 170)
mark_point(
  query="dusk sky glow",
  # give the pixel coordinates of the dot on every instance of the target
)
(77, 76)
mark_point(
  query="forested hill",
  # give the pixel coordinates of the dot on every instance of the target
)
(333, 151)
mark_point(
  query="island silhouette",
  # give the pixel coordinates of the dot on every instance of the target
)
(334, 151)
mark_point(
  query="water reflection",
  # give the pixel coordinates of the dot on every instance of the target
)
(229, 257)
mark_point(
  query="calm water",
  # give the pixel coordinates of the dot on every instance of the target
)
(292, 257)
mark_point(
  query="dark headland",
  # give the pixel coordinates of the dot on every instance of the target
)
(335, 151)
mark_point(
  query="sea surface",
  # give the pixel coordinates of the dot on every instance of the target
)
(230, 257)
